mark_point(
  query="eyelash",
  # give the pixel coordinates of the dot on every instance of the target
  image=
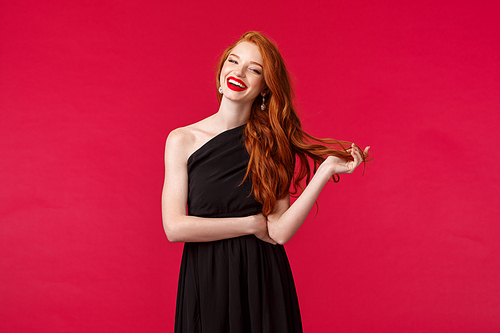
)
(252, 69)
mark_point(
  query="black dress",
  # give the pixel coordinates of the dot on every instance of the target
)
(239, 284)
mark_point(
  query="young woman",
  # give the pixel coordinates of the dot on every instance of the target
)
(235, 171)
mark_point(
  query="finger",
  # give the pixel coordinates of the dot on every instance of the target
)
(270, 240)
(355, 149)
(356, 155)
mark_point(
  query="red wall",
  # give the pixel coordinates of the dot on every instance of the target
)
(89, 91)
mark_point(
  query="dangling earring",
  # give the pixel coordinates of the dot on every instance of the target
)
(263, 105)
(220, 90)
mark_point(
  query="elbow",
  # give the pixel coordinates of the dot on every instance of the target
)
(171, 232)
(171, 237)
(278, 237)
(281, 240)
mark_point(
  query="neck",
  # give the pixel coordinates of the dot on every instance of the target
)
(232, 114)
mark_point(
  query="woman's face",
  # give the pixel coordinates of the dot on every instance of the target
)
(242, 77)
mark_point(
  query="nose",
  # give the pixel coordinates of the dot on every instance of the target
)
(239, 71)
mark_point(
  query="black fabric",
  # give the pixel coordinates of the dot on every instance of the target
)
(236, 285)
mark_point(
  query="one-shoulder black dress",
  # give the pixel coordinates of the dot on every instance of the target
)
(239, 284)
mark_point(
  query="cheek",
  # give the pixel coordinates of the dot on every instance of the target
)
(259, 82)
(221, 77)
(223, 72)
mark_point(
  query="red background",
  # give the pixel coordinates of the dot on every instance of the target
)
(90, 90)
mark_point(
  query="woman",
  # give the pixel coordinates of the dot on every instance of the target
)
(235, 172)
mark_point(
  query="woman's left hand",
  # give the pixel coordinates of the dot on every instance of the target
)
(340, 165)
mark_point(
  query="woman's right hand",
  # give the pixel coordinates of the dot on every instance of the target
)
(260, 227)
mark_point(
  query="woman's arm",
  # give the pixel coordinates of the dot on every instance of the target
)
(178, 226)
(285, 220)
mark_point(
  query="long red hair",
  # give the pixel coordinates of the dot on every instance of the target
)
(274, 136)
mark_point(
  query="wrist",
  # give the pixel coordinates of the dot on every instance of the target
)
(251, 224)
(325, 170)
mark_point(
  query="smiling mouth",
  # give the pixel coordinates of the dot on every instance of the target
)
(235, 84)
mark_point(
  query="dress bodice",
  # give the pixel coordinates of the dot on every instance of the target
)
(215, 172)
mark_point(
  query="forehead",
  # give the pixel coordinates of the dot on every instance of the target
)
(249, 51)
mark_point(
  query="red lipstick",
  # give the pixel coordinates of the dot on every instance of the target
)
(235, 84)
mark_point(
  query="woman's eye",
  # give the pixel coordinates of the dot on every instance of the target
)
(233, 61)
(255, 70)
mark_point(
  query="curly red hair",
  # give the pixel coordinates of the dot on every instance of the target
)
(274, 137)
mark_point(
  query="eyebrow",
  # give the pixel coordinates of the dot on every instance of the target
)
(253, 62)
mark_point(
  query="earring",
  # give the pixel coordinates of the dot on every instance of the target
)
(263, 105)
(220, 91)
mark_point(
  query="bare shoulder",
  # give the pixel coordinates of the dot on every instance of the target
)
(181, 136)
(178, 142)
(183, 141)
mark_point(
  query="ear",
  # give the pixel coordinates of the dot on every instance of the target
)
(264, 92)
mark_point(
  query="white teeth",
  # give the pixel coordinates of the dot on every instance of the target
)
(233, 82)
